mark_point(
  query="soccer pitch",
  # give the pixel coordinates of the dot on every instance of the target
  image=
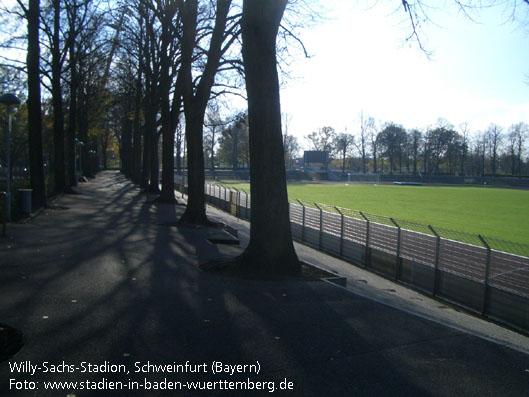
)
(500, 213)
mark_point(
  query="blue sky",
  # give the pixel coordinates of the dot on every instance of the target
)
(478, 72)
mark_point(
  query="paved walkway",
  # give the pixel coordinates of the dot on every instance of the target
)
(104, 285)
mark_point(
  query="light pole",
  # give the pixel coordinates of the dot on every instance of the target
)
(9, 100)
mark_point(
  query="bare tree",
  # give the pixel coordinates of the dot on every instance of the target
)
(197, 92)
(375, 146)
(415, 142)
(30, 13)
(343, 144)
(417, 14)
(480, 151)
(322, 139)
(494, 137)
(393, 139)
(290, 142)
(270, 249)
(366, 125)
(292, 147)
(170, 111)
(233, 143)
(51, 22)
(76, 15)
(517, 135)
(465, 130)
(34, 105)
(213, 124)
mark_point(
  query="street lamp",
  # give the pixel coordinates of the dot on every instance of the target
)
(9, 100)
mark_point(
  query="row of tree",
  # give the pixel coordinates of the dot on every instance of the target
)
(441, 149)
(69, 47)
(146, 70)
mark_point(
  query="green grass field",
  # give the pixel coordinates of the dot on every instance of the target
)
(501, 213)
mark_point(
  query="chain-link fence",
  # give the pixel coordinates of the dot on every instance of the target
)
(486, 275)
(494, 243)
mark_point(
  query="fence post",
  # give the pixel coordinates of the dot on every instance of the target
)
(302, 221)
(398, 261)
(368, 256)
(342, 230)
(320, 240)
(238, 204)
(436, 264)
(487, 272)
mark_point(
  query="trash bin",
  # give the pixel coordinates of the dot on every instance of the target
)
(25, 200)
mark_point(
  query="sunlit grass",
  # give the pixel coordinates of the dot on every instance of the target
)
(501, 213)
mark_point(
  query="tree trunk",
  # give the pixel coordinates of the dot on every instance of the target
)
(195, 212)
(179, 149)
(83, 134)
(136, 132)
(195, 103)
(154, 180)
(125, 150)
(212, 165)
(146, 159)
(148, 137)
(104, 153)
(72, 114)
(270, 249)
(364, 169)
(168, 140)
(519, 154)
(169, 120)
(58, 115)
(70, 138)
(34, 107)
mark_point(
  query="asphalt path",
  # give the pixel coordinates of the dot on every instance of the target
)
(109, 296)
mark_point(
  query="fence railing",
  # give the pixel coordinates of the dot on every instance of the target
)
(494, 243)
(474, 272)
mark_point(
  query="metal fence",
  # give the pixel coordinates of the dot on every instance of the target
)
(485, 275)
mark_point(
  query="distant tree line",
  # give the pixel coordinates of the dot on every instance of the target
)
(226, 141)
(438, 150)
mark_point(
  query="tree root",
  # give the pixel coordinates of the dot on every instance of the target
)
(197, 219)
